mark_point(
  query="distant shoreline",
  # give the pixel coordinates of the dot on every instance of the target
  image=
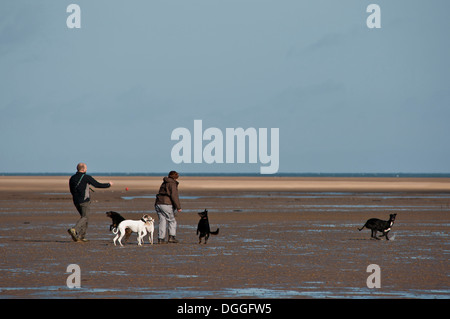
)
(264, 183)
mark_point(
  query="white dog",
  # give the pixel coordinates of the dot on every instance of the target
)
(150, 228)
(141, 227)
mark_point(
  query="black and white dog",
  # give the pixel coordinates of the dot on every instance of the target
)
(141, 227)
(203, 229)
(116, 219)
(384, 226)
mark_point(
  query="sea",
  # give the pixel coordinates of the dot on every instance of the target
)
(399, 175)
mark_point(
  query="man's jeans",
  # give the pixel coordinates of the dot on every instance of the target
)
(166, 215)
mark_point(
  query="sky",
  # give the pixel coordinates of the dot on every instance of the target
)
(344, 97)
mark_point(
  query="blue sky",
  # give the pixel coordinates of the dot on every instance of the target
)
(345, 98)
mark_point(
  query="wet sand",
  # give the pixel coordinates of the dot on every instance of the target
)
(279, 238)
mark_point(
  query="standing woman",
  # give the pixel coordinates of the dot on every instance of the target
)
(167, 204)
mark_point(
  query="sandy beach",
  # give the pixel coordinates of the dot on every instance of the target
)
(279, 237)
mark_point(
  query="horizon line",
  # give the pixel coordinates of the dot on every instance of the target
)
(243, 174)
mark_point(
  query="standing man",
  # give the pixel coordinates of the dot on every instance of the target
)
(167, 204)
(79, 188)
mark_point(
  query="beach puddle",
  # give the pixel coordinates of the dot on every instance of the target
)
(153, 197)
(259, 293)
(109, 273)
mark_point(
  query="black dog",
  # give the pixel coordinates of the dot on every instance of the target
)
(375, 224)
(116, 220)
(203, 227)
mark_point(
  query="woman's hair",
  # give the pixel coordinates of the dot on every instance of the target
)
(174, 174)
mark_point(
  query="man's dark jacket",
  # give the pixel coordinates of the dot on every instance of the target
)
(79, 187)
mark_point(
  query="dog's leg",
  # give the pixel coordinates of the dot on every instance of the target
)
(141, 236)
(144, 233)
(386, 235)
(139, 239)
(375, 234)
(206, 238)
(122, 233)
(115, 238)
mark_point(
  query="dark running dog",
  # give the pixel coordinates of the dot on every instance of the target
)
(384, 226)
(203, 227)
(116, 220)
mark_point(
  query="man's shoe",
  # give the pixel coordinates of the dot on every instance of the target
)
(161, 241)
(173, 240)
(73, 234)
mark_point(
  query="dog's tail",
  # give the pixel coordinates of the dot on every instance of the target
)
(215, 232)
(362, 227)
(115, 230)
